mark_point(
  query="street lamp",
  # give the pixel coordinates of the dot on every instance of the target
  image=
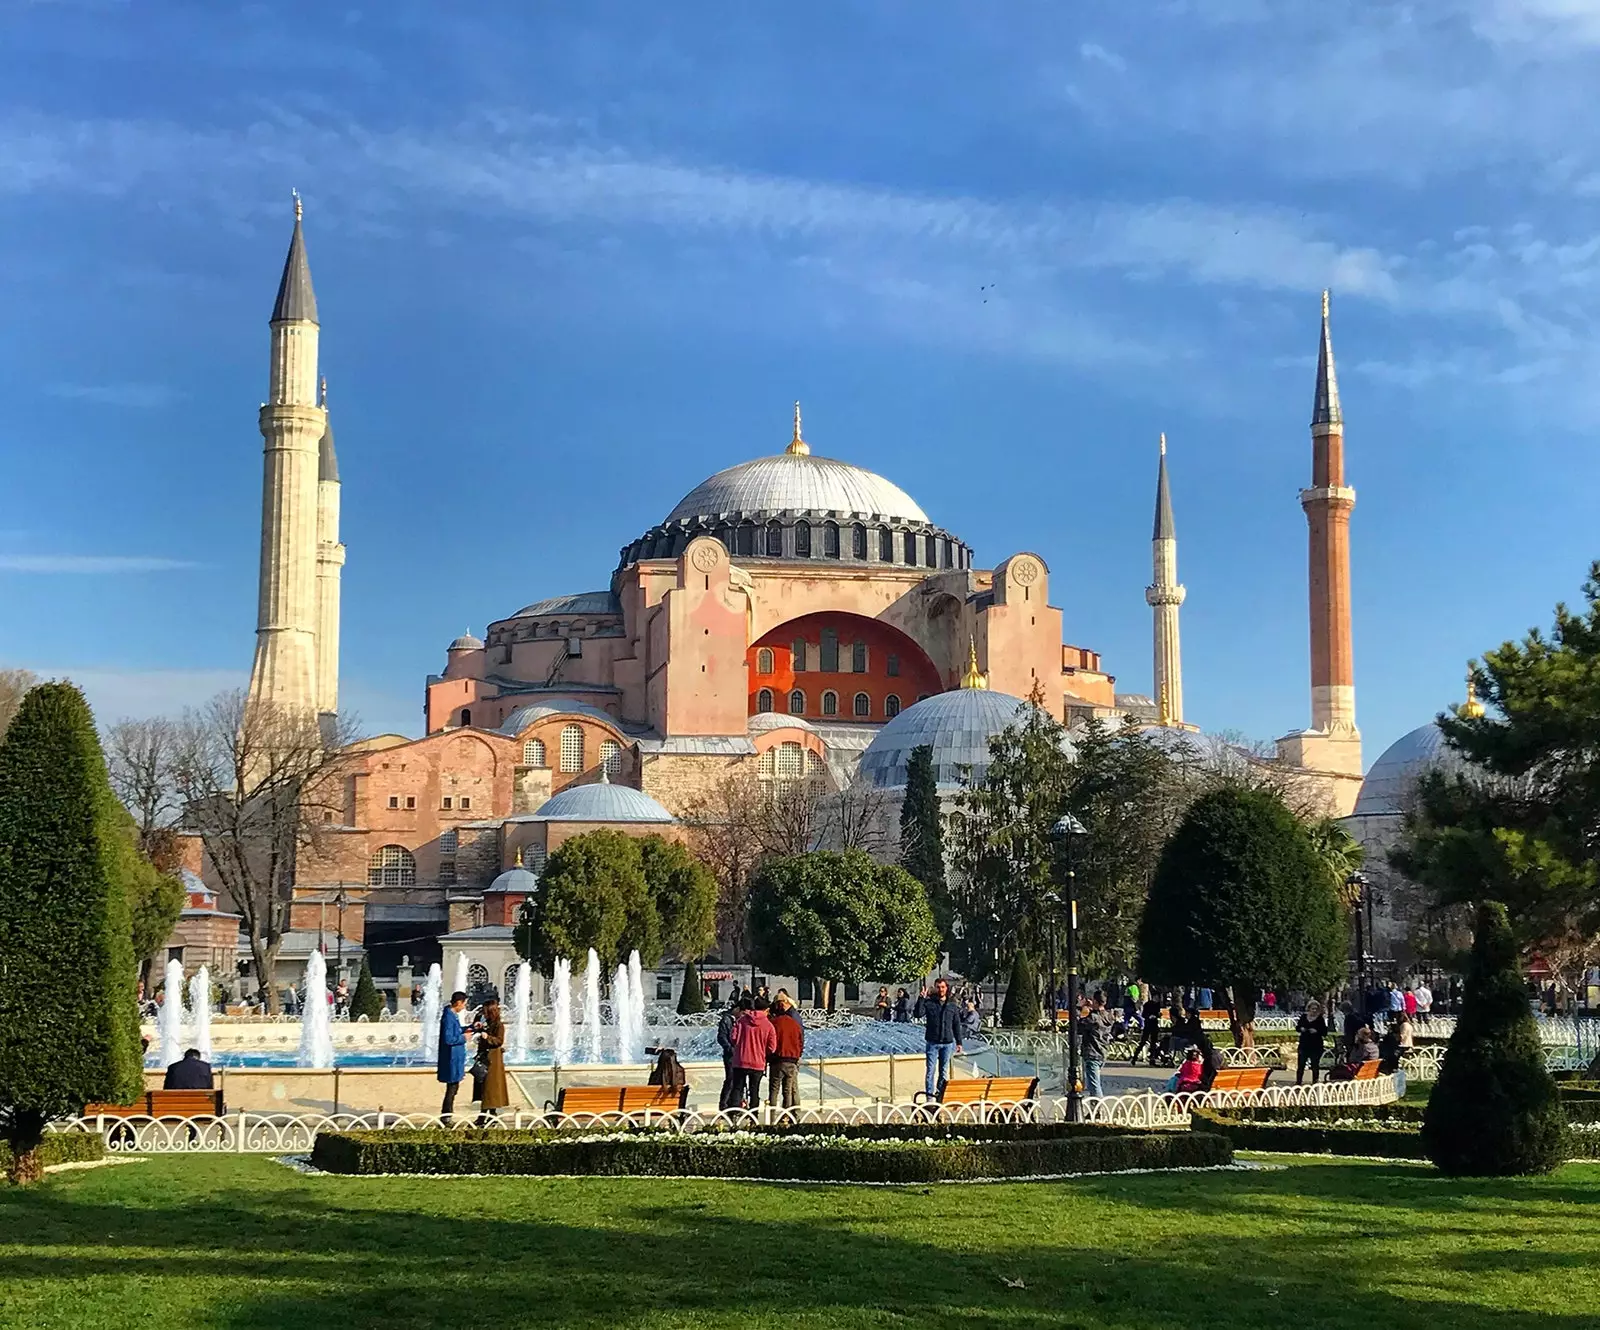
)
(341, 900)
(994, 942)
(1066, 833)
(1358, 882)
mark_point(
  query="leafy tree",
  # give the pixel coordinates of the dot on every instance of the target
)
(1240, 900)
(1341, 855)
(155, 898)
(68, 1026)
(839, 915)
(1021, 1005)
(366, 1000)
(922, 835)
(1494, 1110)
(693, 998)
(685, 895)
(593, 893)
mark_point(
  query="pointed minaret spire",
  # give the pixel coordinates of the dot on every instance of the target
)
(296, 302)
(1164, 595)
(798, 447)
(1472, 708)
(974, 677)
(1325, 407)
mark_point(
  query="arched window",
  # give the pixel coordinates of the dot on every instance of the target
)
(863, 705)
(944, 552)
(802, 540)
(572, 748)
(858, 657)
(478, 988)
(909, 550)
(797, 703)
(769, 764)
(509, 982)
(930, 551)
(858, 541)
(828, 661)
(830, 703)
(764, 700)
(466, 716)
(830, 540)
(764, 661)
(391, 866)
(791, 761)
(885, 544)
(449, 839)
(611, 758)
(891, 706)
(533, 753)
(774, 540)
(799, 652)
(744, 539)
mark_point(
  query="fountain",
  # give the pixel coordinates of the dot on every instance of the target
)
(316, 1038)
(171, 1021)
(622, 1015)
(460, 985)
(636, 1000)
(431, 1003)
(200, 1011)
(591, 1007)
(524, 1004)
(561, 1013)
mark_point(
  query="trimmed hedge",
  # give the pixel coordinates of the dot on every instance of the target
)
(61, 1147)
(1330, 1140)
(1396, 1115)
(659, 1154)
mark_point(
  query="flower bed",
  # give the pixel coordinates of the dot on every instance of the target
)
(809, 1156)
(61, 1147)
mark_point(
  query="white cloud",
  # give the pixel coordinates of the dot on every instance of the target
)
(89, 563)
(1097, 54)
(138, 395)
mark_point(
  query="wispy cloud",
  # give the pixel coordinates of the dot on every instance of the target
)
(1097, 54)
(138, 395)
(89, 563)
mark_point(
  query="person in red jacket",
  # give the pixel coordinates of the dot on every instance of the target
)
(784, 1061)
(753, 1042)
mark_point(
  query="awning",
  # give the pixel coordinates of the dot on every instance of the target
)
(708, 975)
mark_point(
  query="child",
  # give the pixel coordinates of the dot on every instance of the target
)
(1187, 1078)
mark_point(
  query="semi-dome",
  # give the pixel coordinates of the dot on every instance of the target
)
(1387, 788)
(601, 802)
(517, 880)
(797, 482)
(466, 642)
(957, 725)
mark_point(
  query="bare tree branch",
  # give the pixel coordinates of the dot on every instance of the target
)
(139, 761)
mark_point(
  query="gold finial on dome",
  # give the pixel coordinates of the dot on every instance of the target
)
(518, 863)
(1471, 709)
(974, 677)
(798, 447)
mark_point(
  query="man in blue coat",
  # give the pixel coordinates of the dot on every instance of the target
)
(452, 1052)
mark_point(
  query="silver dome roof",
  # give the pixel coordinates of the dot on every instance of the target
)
(601, 802)
(1387, 788)
(957, 725)
(516, 879)
(800, 482)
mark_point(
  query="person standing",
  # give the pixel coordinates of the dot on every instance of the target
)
(1096, 1039)
(754, 1041)
(1424, 998)
(788, 1048)
(491, 1053)
(941, 1015)
(902, 1007)
(1205, 995)
(1149, 1031)
(725, 1042)
(452, 1065)
(1312, 1028)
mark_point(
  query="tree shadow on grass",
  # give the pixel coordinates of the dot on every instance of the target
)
(507, 1252)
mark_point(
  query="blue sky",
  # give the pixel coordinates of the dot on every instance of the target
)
(572, 259)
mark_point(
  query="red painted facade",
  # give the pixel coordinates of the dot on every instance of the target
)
(895, 666)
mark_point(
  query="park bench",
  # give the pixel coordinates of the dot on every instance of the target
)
(1013, 1095)
(606, 1100)
(1367, 1071)
(1241, 1078)
(163, 1104)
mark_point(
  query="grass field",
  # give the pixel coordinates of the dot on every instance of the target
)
(243, 1242)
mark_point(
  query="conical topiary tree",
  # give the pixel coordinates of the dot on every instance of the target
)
(693, 998)
(1021, 1007)
(1494, 1110)
(69, 1030)
(366, 1000)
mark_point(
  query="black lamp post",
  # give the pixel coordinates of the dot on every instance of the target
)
(1359, 882)
(994, 942)
(1066, 833)
(341, 900)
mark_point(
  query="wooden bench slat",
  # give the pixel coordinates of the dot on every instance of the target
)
(990, 1089)
(163, 1104)
(619, 1098)
(1241, 1078)
(1367, 1071)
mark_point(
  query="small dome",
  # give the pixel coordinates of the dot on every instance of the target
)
(529, 712)
(798, 482)
(957, 725)
(1390, 780)
(466, 642)
(601, 802)
(518, 880)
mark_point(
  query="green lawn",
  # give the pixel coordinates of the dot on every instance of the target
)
(239, 1241)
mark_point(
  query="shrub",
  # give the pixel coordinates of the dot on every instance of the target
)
(1021, 1006)
(1292, 1138)
(1494, 1110)
(754, 1155)
(61, 1147)
(693, 998)
(366, 1000)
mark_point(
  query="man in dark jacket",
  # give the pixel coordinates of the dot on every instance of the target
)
(941, 1034)
(783, 1065)
(192, 1073)
(725, 1043)
(1096, 1032)
(1150, 1031)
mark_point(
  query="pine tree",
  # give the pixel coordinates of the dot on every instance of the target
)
(922, 835)
(1494, 1110)
(1021, 1007)
(366, 1001)
(693, 998)
(69, 1030)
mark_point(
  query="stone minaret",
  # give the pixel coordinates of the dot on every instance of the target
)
(1164, 595)
(292, 426)
(330, 560)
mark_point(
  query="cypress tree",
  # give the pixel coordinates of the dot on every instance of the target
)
(1495, 1109)
(922, 834)
(1021, 1007)
(366, 1000)
(693, 997)
(69, 1029)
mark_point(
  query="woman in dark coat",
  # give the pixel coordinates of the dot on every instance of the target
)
(491, 1049)
(1312, 1028)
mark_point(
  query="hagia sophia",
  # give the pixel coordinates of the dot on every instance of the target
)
(793, 616)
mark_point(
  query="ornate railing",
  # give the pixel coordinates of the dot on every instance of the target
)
(1173, 1110)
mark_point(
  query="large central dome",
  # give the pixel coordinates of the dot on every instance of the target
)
(797, 482)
